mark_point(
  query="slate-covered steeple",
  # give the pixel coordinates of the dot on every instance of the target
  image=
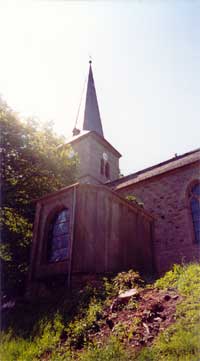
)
(92, 120)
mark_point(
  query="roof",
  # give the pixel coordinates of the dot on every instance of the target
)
(85, 133)
(55, 193)
(158, 169)
(74, 138)
(92, 120)
(133, 206)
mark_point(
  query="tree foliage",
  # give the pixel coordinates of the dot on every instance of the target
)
(33, 163)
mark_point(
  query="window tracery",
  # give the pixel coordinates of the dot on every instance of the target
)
(59, 236)
(194, 197)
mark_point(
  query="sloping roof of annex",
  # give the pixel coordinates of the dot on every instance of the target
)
(158, 169)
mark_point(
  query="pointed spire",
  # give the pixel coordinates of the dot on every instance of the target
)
(92, 120)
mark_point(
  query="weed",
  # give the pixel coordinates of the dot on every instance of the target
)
(132, 328)
(112, 351)
(131, 305)
(120, 331)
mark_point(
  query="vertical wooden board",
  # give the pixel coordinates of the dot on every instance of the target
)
(89, 216)
(133, 254)
(136, 246)
(123, 235)
(139, 243)
(108, 222)
(150, 249)
(113, 247)
(131, 259)
(81, 244)
(78, 246)
(101, 212)
(41, 235)
(144, 244)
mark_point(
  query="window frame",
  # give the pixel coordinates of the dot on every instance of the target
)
(102, 167)
(189, 197)
(107, 170)
(49, 220)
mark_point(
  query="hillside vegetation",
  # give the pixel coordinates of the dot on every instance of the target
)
(159, 321)
(33, 162)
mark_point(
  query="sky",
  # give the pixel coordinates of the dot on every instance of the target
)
(146, 66)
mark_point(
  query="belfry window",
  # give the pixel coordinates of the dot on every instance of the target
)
(102, 167)
(195, 209)
(59, 236)
(107, 170)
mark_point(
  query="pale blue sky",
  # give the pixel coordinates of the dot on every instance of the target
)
(146, 64)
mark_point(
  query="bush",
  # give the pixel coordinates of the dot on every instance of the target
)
(126, 280)
(171, 278)
(77, 329)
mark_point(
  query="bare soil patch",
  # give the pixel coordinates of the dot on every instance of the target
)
(153, 313)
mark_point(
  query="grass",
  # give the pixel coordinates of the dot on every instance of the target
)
(181, 341)
(111, 351)
(57, 329)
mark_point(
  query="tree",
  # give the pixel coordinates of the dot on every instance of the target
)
(33, 163)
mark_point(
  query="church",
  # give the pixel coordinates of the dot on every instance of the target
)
(94, 227)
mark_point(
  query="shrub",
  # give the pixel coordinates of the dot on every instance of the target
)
(77, 329)
(170, 278)
(126, 280)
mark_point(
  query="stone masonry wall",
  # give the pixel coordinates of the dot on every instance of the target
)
(165, 197)
(97, 150)
(90, 153)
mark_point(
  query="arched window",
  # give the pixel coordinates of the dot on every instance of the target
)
(59, 236)
(194, 195)
(102, 167)
(107, 170)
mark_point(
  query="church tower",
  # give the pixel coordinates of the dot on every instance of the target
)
(99, 160)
